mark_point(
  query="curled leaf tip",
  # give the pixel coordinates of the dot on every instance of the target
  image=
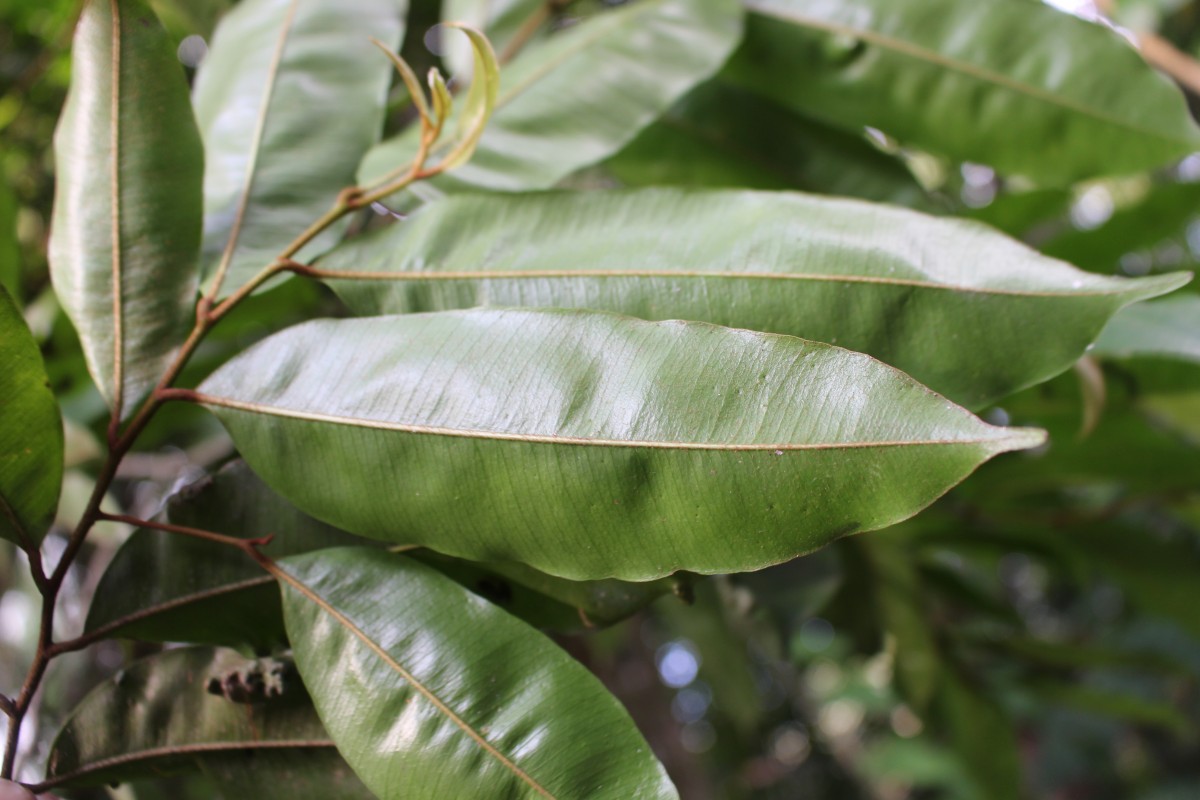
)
(481, 98)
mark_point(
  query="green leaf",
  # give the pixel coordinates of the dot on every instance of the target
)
(31, 434)
(159, 717)
(167, 587)
(1127, 707)
(500, 20)
(962, 309)
(127, 210)
(10, 250)
(721, 135)
(480, 102)
(581, 95)
(289, 97)
(590, 445)
(435, 693)
(1168, 328)
(981, 732)
(1020, 86)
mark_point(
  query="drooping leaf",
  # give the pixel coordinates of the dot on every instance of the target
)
(480, 103)
(127, 206)
(161, 717)
(721, 135)
(1168, 328)
(431, 692)
(169, 587)
(289, 98)
(970, 313)
(974, 81)
(590, 445)
(579, 96)
(31, 434)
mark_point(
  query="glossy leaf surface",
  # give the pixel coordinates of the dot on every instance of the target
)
(31, 436)
(168, 587)
(289, 98)
(973, 81)
(590, 445)
(580, 95)
(159, 717)
(127, 206)
(968, 312)
(452, 697)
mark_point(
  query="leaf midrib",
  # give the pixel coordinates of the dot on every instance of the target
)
(429, 275)
(424, 690)
(114, 200)
(260, 125)
(919, 53)
(152, 753)
(333, 419)
(175, 603)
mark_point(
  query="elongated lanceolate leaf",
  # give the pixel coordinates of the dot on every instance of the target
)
(161, 717)
(431, 692)
(289, 98)
(173, 588)
(500, 21)
(1168, 328)
(590, 445)
(127, 211)
(31, 436)
(579, 96)
(969, 312)
(1020, 86)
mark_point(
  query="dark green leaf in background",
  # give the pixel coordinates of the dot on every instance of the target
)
(580, 95)
(1020, 86)
(1167, 328)
(169, 587)
(452, 697)
(127, 209)
(590, 445)
(970, 313)
(160, 717)
(31, 437)
(721, 135)
(289, 98)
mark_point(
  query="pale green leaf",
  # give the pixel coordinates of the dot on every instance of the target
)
(590, 445)
(127, 212)
(971, 313)
(1020, 86)
(289, 97)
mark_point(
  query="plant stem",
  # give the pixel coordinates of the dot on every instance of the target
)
(120, 443)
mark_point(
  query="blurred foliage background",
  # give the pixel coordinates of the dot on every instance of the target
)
(1038, 627)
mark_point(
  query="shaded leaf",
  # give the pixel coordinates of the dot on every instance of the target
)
(982, 733)
(168, 587)
(288, 98)
(590, 445)
(1168, 328)
(579, 96)
(127, 206)
(31, 434)
(970, 313)
(452, 697)
(158, 718)
(973, 81)
(721, 135)
(1126, 707)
